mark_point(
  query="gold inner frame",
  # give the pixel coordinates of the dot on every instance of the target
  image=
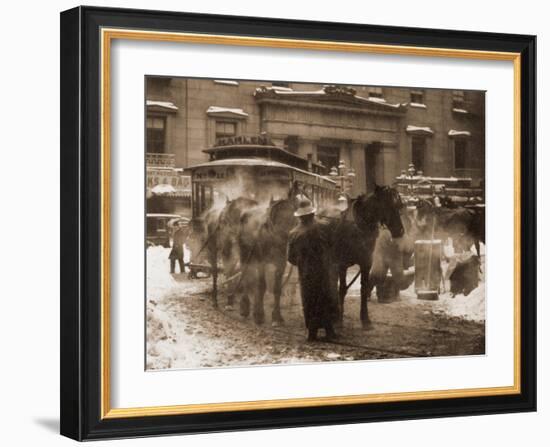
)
(107, 36)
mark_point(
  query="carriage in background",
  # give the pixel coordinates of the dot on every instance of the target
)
(437, 194)
(412, 186)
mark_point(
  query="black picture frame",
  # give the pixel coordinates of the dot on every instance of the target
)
(81, 223)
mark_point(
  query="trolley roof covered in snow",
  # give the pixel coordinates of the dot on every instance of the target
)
(243, 147)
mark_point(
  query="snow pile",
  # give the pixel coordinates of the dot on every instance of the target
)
(163, 188)
(215, 110)
(471, 307)
(280, 88)
(417, 129)
(162, 104)
(175, 343)
(459, 133)
(160, 333)
(160, 337)
(159, 280)
(226, 82)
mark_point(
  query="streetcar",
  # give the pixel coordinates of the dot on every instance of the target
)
(254, 167)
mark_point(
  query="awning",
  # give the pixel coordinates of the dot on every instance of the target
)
(163, 188)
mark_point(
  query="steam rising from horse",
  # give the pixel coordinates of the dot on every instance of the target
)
(464, 225)
(222, 233)
(263, 239)
(249, 237)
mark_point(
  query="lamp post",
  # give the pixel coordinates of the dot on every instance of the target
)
(343, 174)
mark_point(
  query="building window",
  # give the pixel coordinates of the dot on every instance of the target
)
(458, 99)
(328, 156)
(417, 96)
(375, 92)
(156, 134)
(461, 148)
(418, 150)
(161, 225)
(291, 144)
(226, 129)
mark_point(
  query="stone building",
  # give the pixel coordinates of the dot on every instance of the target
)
(377, 131)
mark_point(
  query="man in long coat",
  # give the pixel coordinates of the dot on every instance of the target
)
(309, 251)
(176, 254)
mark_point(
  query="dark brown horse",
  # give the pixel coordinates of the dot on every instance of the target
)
(353, 237)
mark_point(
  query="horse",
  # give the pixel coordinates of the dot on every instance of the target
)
(353, 238)
(263, 238)
(222, 230)
(249, 236)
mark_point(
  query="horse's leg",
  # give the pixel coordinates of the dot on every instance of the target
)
(365, 294)
(244, 304)
(243, 287)
(214, 265)
(259, 288)
(342, 289)
(230, 270)
(276, 317)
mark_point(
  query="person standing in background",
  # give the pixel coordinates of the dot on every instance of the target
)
(176, 254)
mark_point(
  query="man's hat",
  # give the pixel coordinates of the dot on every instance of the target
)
(304, 208)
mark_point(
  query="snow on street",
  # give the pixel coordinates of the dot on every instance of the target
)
(185, 331)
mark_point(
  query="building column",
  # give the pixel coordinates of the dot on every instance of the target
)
(357, 162)
(306, 147)
(387, 164)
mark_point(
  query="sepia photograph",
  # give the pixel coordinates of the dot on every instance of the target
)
(291, 222)
(273, 222)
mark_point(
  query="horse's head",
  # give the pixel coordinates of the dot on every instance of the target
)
(382, 206)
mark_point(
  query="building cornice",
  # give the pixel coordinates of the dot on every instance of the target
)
(333, 98)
